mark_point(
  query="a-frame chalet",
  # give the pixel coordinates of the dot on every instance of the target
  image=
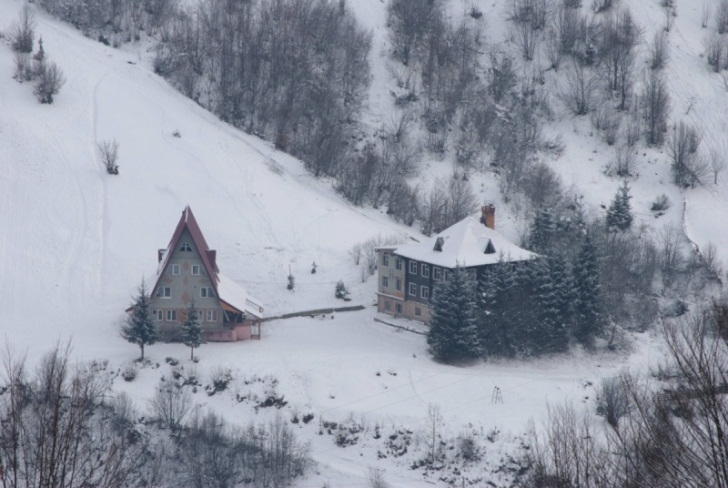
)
(188, 272)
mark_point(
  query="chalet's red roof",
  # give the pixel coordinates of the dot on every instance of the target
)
(208, 256)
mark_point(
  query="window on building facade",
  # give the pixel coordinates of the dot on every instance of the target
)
(185, 247)
(425, 292)
(413, 289)
(206, 292)
(418, 312)
(398, 284)
(399, 308)
(175, 269)
(157, 314)
(385, 281)
(171, 315)
(196, 269)
(436, 272)
(446, 275)
(425, 270)
(212, 315)
(164, 292)
(385, 259)
(398, 264)
(413, 267)
(387, 305)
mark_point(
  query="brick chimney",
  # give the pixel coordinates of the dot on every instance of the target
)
(488, 215)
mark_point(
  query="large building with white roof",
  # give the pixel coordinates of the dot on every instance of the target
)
(408, 274)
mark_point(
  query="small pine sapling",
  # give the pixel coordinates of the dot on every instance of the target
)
(192, 329)
(140, 328)
(313, 267)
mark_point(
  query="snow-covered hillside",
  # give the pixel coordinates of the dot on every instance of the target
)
(76, 242)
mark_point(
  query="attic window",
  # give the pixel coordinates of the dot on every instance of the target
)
(186, 247)
(438, 244)
(490, 248)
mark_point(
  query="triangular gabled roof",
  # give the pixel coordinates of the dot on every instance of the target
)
(467, 243)
(208, 256)
(231, 295)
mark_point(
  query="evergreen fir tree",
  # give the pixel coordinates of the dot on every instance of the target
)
(494, 327)
(192, 329)
(140, 328)
(453, 333)
(619, 214)
(588, 316)
(552, 300)
(543, 231)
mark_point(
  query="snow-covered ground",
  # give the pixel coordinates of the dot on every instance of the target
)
(75, 243)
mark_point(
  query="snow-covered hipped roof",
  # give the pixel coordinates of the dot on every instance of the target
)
(468, 243)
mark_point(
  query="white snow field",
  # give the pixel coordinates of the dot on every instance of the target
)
(76, 242)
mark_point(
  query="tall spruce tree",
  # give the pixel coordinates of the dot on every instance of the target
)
(552, 297)
(589, 318)
(494, 314)
(619, 214)
(192, 329)
(453, 333)
(542, 232)
(140, 328)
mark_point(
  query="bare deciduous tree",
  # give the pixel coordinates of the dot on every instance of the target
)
(49, 80)
(656, 107)
(22, 32)
(659, 51)
(721, 17)
(688, 168)
(579, 87)
(171, 404)
(109, 153)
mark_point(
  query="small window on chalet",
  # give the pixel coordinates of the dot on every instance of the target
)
(490, 248)
(175, 269)
(164, 292)
(171, 315)
(206, 292)
(438, 244)
(186, 247)
(196, 269)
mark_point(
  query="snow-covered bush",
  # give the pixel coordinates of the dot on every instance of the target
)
(109, 153)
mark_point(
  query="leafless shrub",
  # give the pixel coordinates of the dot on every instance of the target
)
(660, 205)
(49, 80)
(715, 47)
(578, 88)
(543, 186)
(671, 244)
(633, 129)
(23, 69)
(656, 107)
(721, 17)
(717, 164)
(688, 169)
(705, 15)
(22, 31)
(606, 119)
(624, 162)
(670, 12)
(659, 51)
(599, 6)
(109, 153)
(613, 400)
(171, 404)
(376, 478)
(527, 39)
(533, 12)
